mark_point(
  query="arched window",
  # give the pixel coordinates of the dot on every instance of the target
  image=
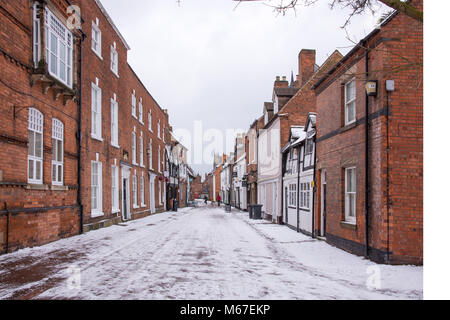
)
(58, 152)
(35, 146)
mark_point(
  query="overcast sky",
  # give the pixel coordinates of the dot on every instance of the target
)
(204, 61)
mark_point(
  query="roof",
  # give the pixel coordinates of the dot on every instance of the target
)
(103, 10)
(296, 131)
(300, 139)
(356, 48)
(285, 92)
(268, 106)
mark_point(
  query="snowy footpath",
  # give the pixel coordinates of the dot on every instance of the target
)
(201, 253)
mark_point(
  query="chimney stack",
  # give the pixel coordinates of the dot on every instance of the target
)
(306, 65)
(281, 83)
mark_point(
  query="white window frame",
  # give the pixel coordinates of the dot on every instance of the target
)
(160, 193)
(150, 154)
(133, 148)
(58, 149)
(36, 36)
(292, 195)
(96, 41)
(62, 53)
(350, 196)
(35, 129)
(141, 112)
(142, 191)
(159, 159)
(164, 134)
(134, 192)
(159, 129)
(96, 118)
(115, 189)
(133, 104)
(305, 196)
(97, 189)
(141, 151)
(350, 103)
(114, 123)
(114, 60)
(150, 121)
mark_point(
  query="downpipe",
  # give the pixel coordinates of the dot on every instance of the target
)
(367, 194)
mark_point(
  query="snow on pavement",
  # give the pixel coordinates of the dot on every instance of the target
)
(201, 253)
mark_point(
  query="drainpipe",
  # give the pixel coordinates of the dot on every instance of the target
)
(314, 190)
(79, 134)
(8, 215)
(367, 205)
(388, 200)
(298, 187)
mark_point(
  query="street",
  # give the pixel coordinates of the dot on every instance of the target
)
(200, 253)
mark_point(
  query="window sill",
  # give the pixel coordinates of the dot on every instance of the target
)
(135, 164)
(114, 211)
(115, 73)
(135, 207)
(96, 138)
(97, 214)
(348, 127)
(143, 206)
(40, 187)
(142, 122)
(348, 225)
(115, 146)
(142, 166)
(99, 55)
(134, 116)
(59, 188)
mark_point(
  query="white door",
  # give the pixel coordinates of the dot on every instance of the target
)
(275, 204)
(323, 211)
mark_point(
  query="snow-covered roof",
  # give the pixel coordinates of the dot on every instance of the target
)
(296, 131)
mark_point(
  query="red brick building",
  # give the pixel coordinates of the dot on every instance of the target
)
(61, 85)
(124, 131)
(370, 147)
(39, 98)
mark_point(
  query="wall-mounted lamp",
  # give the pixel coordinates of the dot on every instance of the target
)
(390, 85)
(372, 87)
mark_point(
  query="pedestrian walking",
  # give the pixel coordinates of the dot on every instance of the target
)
(218, 199)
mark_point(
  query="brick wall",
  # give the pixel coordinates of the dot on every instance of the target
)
(44, 213)
(395, 178)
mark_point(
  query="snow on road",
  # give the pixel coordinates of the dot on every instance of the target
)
(201, 253)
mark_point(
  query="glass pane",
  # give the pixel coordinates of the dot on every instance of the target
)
(53, 44)
(60, 151)
(53, 62)
(38, 145)
(30, 169)
(38, 170)
(30, 143)
(54, 142)
(54, 177)
(352, 204)
(59, 173)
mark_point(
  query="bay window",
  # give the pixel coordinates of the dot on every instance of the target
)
(59, 52)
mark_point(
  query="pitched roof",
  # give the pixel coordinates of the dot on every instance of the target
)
(285, 92)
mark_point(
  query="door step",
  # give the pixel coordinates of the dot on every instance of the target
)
(321, 238)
